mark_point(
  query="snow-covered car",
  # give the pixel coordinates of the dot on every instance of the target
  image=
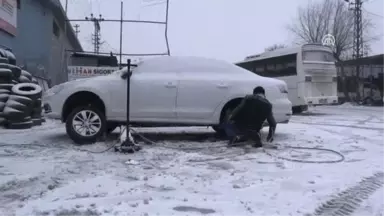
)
(165, 91)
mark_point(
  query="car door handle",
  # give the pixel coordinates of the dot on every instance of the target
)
(222, 85)
(170, 85)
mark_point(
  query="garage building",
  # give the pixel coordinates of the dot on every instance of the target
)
(34, 31)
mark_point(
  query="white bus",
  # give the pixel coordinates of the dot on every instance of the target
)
(309, 71)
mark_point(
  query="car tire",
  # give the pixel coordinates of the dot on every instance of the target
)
(368, 101)
(23, 79)
(37, 121)
(29, 90)
(2, 105)
(6, 74)
(4, 97)
(19, 126)
(16, 71)
(219, 128)
(21, 99)
(6, 86)
(5, 91)
(16, 105)
(26, 74)
(3, 60)
(111, 127)
(14, 115)
(2, 121)
(76, 135)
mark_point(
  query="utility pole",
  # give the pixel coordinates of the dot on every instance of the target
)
(96, 35)
(358, 48)
(77, 31)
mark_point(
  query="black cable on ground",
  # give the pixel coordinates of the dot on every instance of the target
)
(341, 159)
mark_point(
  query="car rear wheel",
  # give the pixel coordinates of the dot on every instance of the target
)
(85, 125)
(219, 128)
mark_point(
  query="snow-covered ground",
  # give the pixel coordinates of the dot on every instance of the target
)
(189, 172)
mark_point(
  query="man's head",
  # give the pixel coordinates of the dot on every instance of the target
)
(259, 90)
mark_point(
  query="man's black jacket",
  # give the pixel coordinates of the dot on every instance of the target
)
(252, 113)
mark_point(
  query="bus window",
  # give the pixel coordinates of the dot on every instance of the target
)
(318, 55)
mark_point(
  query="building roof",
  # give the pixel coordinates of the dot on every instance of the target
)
(60, 15)
(369, 60)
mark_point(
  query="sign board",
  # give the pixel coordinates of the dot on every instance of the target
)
(328, 40)
(8, 16)
(79, 72)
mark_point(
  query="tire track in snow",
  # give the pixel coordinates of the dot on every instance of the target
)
(346, 202)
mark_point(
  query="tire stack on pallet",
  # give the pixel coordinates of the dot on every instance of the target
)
(20, 98)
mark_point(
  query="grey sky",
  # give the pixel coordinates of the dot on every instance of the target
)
(222, 29)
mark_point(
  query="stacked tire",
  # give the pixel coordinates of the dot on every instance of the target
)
(20, 98)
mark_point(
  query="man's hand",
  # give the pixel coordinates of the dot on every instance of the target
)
(271, 134)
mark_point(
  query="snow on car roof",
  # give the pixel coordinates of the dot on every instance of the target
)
(185, 63)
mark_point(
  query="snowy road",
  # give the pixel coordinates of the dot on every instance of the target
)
(41, 173)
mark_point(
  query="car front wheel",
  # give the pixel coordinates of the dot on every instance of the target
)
(85, 125)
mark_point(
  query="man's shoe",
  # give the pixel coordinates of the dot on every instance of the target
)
(257, 144)
(234, 140)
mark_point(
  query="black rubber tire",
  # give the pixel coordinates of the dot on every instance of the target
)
(26, 74)
(37, 110)
(16, 71)
(17, 105)
(34, 80)
(38, 104)
(3, 60)
(29, 90)
(24, 79)
(2, 105)
(21, 120)
(4, 80)
(11, 57)
(37, 121)
(21, 99)
(5, 91)
(19, 126)
(111, 127)
(218, 128)
(6, 86)
(79, 139)
(4, 97)
(6, 74)
(13, 114)
(3, 121)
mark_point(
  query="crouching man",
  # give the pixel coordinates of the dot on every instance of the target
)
(246, 120)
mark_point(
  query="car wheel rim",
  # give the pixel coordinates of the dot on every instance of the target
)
(86, 123)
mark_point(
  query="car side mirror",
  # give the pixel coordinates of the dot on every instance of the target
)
(126, 74)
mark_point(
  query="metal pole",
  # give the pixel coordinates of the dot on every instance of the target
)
(128, 97)
(166, 28)
(64, 53)
(121, 34)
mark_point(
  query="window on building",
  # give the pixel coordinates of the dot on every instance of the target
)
(56, 29)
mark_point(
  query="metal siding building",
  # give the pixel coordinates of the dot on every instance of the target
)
(40, 37)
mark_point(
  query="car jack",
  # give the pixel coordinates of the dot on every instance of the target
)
(127, 143)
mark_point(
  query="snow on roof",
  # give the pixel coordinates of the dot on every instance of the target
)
(182, 63)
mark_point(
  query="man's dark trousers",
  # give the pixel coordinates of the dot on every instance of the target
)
(232, 130)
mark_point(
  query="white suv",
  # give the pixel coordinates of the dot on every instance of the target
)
(165, 91)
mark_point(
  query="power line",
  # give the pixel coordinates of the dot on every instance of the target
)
(374, 14)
